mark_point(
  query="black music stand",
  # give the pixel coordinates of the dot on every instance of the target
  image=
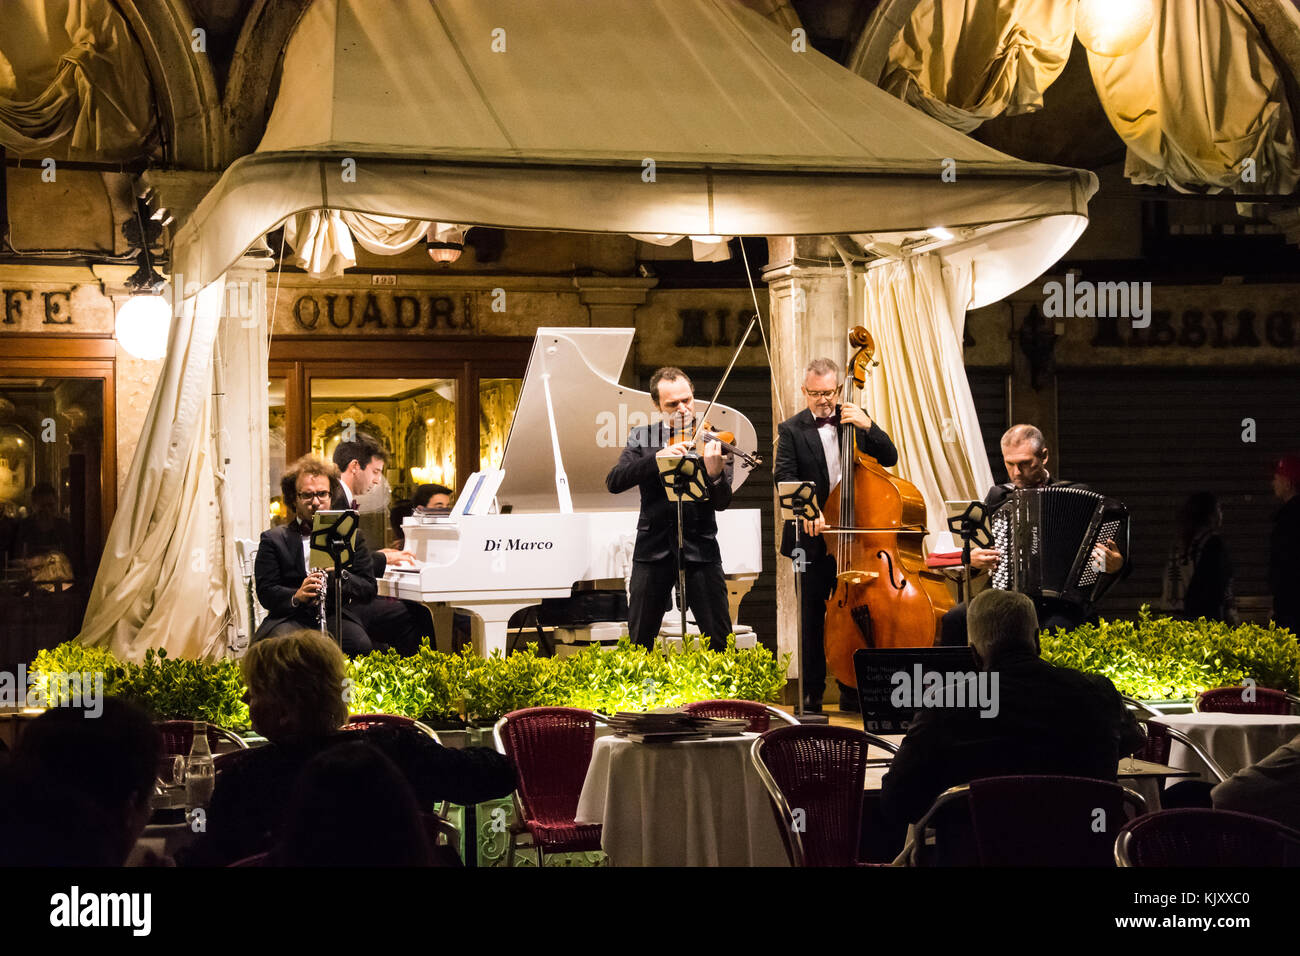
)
(334, 538)
(798, 501)
(683, 479)
(971, 526)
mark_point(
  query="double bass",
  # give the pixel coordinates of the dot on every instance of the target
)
(884, 594)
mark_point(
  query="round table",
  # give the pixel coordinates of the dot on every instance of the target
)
(1233, 740)
(685, 803)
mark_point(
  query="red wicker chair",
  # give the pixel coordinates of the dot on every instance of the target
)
(821, 771)
(551, 748)
(366, 721)
(1160, 738)
(1197, 837)
(1030, 820)
(759, 715)
(1233, 700)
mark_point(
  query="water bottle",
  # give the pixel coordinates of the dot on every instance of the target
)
(200, 774)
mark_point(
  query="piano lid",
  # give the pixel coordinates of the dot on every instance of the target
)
(593, 414)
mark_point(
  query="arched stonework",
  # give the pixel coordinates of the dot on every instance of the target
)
(254, 72)
(182, 80)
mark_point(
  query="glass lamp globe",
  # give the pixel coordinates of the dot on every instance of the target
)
(143, 326)
(1113, 27)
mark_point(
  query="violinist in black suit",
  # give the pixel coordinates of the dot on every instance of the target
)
(808, 449)
(291, 595)
(654, 562)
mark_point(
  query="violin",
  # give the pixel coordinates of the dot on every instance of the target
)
(680, 431)
(884, 594)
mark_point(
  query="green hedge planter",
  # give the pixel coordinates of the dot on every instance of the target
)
(1162, 658)
(447, 690)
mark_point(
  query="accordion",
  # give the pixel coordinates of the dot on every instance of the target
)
(1046, 538)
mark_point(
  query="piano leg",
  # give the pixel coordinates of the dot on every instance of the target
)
(443, 627)
(489, 625)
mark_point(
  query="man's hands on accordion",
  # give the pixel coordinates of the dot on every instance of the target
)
(1106, 555)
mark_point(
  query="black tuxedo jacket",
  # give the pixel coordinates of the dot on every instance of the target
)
(280, 568)
(656, 526)
(339, 502)
(800, 456)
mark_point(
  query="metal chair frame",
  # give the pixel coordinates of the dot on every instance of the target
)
(227, 735)
(393, 720)
(773, 713)
(962, 793)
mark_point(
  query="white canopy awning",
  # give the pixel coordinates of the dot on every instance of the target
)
(692, 117)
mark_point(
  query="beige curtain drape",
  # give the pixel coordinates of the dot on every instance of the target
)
(72, 80)
(322, 239)
(966, 61)
(165, 578)
(919, 393)
(1198, 98)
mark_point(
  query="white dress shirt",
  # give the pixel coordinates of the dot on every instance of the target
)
(830, 436)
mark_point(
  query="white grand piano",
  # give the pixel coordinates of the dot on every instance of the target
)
(556, 526)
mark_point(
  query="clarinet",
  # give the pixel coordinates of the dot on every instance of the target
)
(320, 602)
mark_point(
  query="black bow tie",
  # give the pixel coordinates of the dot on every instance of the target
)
(828, 420)
(304, 528)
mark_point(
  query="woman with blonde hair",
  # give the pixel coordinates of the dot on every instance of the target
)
(296, 699)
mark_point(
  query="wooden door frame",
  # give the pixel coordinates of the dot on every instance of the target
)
(300, 358)
(55, 355)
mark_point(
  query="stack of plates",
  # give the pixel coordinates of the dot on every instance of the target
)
(667, 726)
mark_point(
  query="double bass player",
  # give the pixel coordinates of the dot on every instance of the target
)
(808, 449)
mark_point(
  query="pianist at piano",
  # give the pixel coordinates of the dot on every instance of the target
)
(654, 567)
(1025, 455)
(399, 624)
(288, 593)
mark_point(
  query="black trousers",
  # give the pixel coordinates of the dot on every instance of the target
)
(818, 584)
(398, 624)
(1051, 614)
(355, 639)
(651, 595)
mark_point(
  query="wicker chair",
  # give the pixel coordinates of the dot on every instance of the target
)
(759, 715)
(551, 748)
(178, 737)
(1232, 700)
(1031, 820)
(819, 770)
(366, 721)
(1160, 738)
(1197, 837)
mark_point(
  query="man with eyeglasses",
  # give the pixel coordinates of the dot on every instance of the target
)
(808, 449)
(291, 595)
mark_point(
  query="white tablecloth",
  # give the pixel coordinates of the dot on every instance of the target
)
(1233, 740)
(689, 803)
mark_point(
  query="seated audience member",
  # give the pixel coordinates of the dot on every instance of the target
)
(1044, 719)
(352, 807)
(76, 789)
(295, 700)
(289, 594)
(1198, 574)
(400, 511)
(433, 498)
(1269, 788)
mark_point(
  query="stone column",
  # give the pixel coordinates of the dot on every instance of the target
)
(809, 308)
